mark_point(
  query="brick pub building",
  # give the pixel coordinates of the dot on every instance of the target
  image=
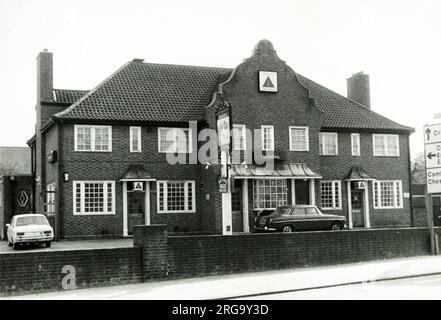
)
(100, 156)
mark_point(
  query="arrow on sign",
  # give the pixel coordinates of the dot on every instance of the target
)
(428, 132)
(431, 155)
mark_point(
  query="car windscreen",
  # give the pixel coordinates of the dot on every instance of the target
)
(282, 211)
(36, 220)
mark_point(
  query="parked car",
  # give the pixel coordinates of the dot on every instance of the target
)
(29, 228)
(299, 218)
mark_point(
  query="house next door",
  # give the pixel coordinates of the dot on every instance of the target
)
(357, 202)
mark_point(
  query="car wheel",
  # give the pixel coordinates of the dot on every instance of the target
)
(336, 226)
(287, 229)
(48, 244)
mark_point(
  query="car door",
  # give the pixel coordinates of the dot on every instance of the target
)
(316, 221)
(299, 219)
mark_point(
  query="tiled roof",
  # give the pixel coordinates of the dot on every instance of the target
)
(149, 92)
(175, 93)
(341, 112)
(65, 96)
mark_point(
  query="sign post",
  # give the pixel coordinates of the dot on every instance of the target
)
(432, 157)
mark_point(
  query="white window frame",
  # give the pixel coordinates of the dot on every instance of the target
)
(190, 138)
(334, 184)
(291, 128)
(50, 198)
(105, 200)
(187, 183)
(138, 136)
(92, 137)
(355, 137)
(378, 200)
(262, 128)
(384, 138)
(255, 186)
(321, 143)
(243, 134)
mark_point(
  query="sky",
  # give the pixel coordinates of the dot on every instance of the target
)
(396, 42)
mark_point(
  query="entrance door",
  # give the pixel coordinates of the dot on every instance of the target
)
(436, 201)
(236, 198)
(302, 191)
(135, 209)
(357, 201)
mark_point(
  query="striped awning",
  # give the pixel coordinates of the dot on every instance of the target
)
(292, 170)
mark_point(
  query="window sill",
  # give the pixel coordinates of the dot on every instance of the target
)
(94, 214)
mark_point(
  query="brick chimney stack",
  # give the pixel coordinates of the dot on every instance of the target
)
(44, 76)
(358, 89)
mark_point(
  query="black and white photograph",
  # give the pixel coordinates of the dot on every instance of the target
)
(237, 151)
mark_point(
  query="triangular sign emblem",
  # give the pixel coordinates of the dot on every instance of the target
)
(138, 186)
(268, 83)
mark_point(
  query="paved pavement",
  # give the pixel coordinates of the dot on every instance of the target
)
(251, 285)
(418, 288)
(71, 245)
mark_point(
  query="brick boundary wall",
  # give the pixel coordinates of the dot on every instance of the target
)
(189, 256)
(157, 256)
(29, 272)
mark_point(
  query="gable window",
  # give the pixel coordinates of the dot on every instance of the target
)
(50, 198)
(355, 144)
(239, 137)
(386, 145)
(176, 196)
(135, 139)
(267, 133)
(328, 143)
(388, 194)
(174, 140)
(269, 193)
(331, 195)
(93, 197)
(93, 138)
(298, 139)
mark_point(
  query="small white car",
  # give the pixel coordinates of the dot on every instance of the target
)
(29, 228)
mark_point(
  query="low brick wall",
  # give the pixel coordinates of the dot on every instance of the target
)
(192, 256)
(27, 272)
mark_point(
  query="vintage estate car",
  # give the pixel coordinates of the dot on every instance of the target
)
(298, 218)
(29, 228)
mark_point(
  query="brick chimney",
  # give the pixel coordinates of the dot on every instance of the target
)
(358, 89)
(44, 76)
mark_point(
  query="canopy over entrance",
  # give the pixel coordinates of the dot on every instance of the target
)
(292, 170)
(357, 173)
(136, 173)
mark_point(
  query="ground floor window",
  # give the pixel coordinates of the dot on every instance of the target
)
(50, 198)
(388, 194)
(269, 193)
(94, 197)
(176, 196)
(331, 195)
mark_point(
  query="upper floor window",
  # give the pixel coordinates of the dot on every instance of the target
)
(135, 139)
(386, 145)
(239, 137)
(355, 144)
(93, 138)
(298, 139)
(267, 138)
(328, 143)
(174, 140)
(388, 194)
